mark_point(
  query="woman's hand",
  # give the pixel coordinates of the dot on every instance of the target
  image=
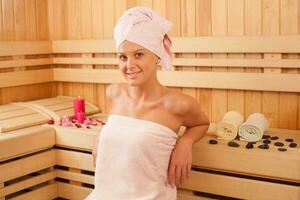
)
(95, 150)
(180, 162)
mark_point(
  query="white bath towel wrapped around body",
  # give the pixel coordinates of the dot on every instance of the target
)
(133, 159)
(254, 127)
(228, 127)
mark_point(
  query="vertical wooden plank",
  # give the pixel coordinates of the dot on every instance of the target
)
(160, 6)
(58, 27)
(219, 28)
(203, 28)
(86, 33)
(288, 101)
(253, 23)
(97, 31)
(236, 28)
(8, 34)
(1, 38)
(173, 14)
(147, 3)
(31, 30)
(120, 8)
(74, 33)
(108, 27)
(131, 3)
(8, 20)
(1, 25)
(298, 127)
(20, 22)
(270, 100)
(42, 20)
(188, 29)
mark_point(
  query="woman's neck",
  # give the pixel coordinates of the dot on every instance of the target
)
(152, 91)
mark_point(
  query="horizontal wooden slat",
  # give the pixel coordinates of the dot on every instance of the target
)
(43, 193)
(20, 142)
(270, 63)
(11, 79)
(82, 178)
(27, 183)
(72, 191)
(182, 195)
(29, 165)
(194, 79)
(216, 44)
(9, 48)
(240, 187)
(22, 122)
(15, 113)
(26, 62)
(84, 46)
(237, 44)
(75, 138)
(71, 159)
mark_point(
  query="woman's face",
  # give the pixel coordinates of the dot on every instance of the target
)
(136, 63)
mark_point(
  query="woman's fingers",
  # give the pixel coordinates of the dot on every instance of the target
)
(183, 174)
(178, 174)
(171, 174)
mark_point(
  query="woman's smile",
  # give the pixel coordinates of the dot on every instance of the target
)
(133, 75)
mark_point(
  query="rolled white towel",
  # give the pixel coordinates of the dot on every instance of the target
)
(228, 127)
(254, 127)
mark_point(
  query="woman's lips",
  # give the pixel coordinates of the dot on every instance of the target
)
(132, 75)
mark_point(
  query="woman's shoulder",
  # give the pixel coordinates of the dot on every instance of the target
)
(114, 90)
(178, 103)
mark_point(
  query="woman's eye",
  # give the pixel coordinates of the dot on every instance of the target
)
(138, 55)
(122, 57)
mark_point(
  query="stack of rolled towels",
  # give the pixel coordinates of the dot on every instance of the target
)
(251, 130)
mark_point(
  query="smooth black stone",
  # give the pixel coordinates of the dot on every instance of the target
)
(233, 144)
(279, 144)
(266, 136)
(213, 142)
(289, 140)
(249, 145)
(263, 146)
(293, 145)
(274, 138)
(266, 141)
(281, 149)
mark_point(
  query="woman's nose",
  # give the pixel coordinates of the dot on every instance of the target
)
(130, 63)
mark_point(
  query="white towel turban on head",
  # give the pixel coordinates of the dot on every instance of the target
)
(145, 27)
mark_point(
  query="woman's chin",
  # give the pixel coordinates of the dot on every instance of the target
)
(134, 82)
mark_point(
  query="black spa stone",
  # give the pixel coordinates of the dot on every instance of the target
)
(274, 138)
(281, 149)
(249, 145)
(263, 146)
(266, 141)
(289, 140)
(279, 144)
(233, 144)
(292, 145)
(266, 136)
(213, 142)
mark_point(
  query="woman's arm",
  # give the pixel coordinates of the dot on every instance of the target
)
(197, 124)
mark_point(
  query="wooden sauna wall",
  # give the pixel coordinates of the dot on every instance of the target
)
(94, 19)
(24, 20)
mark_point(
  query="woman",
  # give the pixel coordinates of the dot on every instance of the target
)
(140, 155)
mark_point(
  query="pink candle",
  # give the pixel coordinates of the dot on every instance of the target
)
(79, 106)
(80, 117)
